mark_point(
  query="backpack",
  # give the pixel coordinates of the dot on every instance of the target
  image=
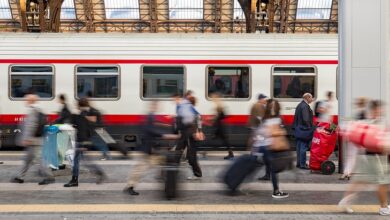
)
(42, 122)
(317, 112)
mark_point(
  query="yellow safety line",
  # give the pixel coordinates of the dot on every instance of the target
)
(179, 208)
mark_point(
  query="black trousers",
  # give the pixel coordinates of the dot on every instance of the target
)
(187, 141)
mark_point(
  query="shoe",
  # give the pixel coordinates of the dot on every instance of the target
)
(229, 157)
(305, 168)
(46, 181)
(345, 202)
(74, 182)
(101, 177)
(384, 211)
(264, 178)
(62, 167)
(17, 180)
(194, 178)
(1, 162)
(130, 190)
(279, 195)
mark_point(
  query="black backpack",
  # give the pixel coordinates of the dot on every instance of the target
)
(317, 113)
(42, 122)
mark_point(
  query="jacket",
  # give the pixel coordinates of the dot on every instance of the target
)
(303, 116)
(64, 116)
(29, 127)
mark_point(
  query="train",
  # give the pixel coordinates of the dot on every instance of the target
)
(124, 72)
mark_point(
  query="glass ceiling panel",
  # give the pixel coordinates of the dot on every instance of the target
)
(5, 10)
(314, 9)
(122, 9)
(238, 12)
(185, 9)
(68, 11)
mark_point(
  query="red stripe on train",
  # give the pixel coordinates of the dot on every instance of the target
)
(139, 119)
(119, 61)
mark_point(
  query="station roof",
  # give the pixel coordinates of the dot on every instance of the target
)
(279, 16)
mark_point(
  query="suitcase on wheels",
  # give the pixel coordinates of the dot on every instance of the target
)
(239, 170)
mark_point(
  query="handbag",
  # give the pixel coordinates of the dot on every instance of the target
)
(199, 136)
(279, 140)
(303, 133)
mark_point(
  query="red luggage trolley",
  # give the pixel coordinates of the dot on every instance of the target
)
(322, 146)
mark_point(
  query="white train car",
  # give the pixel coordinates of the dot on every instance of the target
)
(125, 71)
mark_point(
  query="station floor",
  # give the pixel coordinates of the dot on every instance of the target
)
(312, 196)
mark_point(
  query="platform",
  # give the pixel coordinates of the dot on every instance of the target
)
(312, 196)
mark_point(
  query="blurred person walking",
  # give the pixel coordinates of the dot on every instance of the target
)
(256, 116)
(303, 129)
(219, 125)
(150, 158)
(352, 149)
(82, 122)
(271, 122)
(191, 132)
(324, 108)
(97, 124)
(31, 139)
(371, 168)
(64, 116)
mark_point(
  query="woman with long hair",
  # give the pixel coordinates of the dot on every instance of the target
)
(271, 118)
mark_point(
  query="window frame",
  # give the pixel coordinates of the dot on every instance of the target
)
(93, 65)
(228, 99)
(315, 74)
(160, 99)
(122, 19)
(53, 82)
(186, 19)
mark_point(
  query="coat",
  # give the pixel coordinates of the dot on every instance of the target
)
(303, 116)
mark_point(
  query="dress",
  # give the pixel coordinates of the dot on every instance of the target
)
(372, 167)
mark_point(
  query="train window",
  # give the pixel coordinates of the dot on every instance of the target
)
(97, 82)
(25, 78)
(293, 82)
(229, 82)
(162, 81)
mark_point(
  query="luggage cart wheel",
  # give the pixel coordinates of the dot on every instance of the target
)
(328, 167)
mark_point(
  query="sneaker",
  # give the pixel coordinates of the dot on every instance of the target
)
(384, 211)
(345, 203)
(194, 178)
(279, 195)
(17, 180)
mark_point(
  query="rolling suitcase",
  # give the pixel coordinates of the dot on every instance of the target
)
(239, 170)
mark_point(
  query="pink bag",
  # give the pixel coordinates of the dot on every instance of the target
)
(372, 137)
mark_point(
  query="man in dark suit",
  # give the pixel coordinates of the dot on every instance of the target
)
(303, 120)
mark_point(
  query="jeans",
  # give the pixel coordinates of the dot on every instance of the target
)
(302, 147)
(100, 145)
(76, 163)
(267, 157)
